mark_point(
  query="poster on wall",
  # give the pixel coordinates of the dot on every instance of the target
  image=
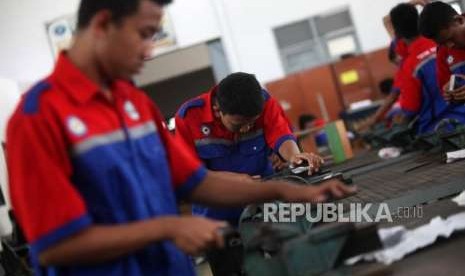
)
(61, 31)
(165, 40)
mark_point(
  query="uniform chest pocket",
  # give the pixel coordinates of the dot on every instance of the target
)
(212, 151)
(150, 148)
(252, 146)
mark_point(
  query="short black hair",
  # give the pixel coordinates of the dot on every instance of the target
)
(119, 9)
(304, 119)
(436, 17)
(404, 18)
(240, 94)
(386, 86)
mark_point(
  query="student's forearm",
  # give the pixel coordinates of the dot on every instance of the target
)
(229, 190)
(288, 149)
(221, 191)
(390, 100)
(98, 244)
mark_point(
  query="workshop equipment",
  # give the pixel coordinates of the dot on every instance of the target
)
(279, 250)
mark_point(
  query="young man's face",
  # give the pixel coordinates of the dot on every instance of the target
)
(238, 123)
(454, 35)
(127, 44)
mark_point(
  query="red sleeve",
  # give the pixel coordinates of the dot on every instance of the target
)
(187, 171)
(46, 203)
(410, 93)
(401, 48)
(443, 71)
(397, 85)
(276, 125)
(182, 133)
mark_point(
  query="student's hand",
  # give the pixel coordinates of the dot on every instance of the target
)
(455, 95)
(313, 160)
(194, 235)
(367, 124)
(333, 189)
(447, 93)
(277, 163)
(399, 119)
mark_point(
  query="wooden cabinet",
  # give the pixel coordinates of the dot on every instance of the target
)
(320, 95)
(328, 90)
(380, 68)
(354, 80)
(289, 94)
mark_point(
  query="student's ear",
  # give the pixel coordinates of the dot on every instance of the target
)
(459, 19)
(101, 22)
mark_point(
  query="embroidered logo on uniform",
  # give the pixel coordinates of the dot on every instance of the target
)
(131, 111)
(205, 130)
(76, 126)
(450, 59)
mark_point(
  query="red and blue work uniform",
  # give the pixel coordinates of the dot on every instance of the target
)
(223, 150)
(420, 94)
(397, 83)
(395, 109)
(450, 61)
(396, 86)
(77, 159)
(399, 47)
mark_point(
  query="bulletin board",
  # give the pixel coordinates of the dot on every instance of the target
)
(60, 32)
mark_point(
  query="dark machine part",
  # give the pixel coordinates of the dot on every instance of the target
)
(300, 175)
(397, 136)
(12, 263)
(414, 181)
(302, 248)
(277, 250)
(227, 261)
(299, 247)
(453, 141)
(448, 134)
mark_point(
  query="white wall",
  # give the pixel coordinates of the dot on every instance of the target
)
(173, 64)
(10, 96)
(245, 26)
(25, 54)
(251, 24)
(194, 21)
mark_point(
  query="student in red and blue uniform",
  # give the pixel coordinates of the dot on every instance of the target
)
(95, 176)
(310, 121)
(440, 22)
(419, 92)
(235, 127)
(397, 52)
